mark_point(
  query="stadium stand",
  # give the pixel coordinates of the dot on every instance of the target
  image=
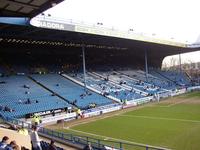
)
(179, 78)
(108, 88)
(152, 79)
(74, 93)
(134, 83)
(32, 58)
(20, 96)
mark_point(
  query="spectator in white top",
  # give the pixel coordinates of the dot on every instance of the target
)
(35, 140)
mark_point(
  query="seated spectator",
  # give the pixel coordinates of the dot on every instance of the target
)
(2, 82)
(16, 147)
(28, 101)
(88, 93)
(20, 101)
(53, 94)
(106, 94)
(27, 92)
(92, 105)
(52, 145)
(11, 145)
(23, 148)
(82, 95)
(88, 147)
(26, 86)
(74, 102)
(1, 107)
(4, 142)
(6, 108)
(13, 127)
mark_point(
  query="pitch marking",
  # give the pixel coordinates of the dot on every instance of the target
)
(161, 118)
(178, 103)
(173, 104)
(110, 138)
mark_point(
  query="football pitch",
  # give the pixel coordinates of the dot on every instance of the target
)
(173, 123)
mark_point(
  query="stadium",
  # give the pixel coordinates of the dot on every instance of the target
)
(88, 86)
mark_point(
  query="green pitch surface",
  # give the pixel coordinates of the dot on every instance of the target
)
(173, 124)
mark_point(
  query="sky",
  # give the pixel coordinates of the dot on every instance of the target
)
(176, 20)
(191, 57)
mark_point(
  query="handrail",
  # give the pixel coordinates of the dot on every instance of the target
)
(84, 140)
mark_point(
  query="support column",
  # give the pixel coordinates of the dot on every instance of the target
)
(180, 63)
(84, 69)
(146, 64)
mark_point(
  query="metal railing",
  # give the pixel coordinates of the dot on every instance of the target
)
(96, 143)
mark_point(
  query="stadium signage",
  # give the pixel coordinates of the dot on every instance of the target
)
(52, 25)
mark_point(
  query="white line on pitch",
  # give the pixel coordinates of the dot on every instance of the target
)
(170, 105)
(110, 138)
(92, 120)
(178, 103)
(161, 118)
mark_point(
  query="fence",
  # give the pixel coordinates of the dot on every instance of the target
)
(98, 144)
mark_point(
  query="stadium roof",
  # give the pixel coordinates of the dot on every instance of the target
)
(25, 8)
(20, 38)
(16, 37)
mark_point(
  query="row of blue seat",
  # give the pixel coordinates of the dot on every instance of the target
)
(107, 87)
(70, 90)
(13, 95)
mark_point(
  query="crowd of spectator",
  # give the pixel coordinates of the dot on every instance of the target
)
(5, 145)
(6, 108)
(36, 142)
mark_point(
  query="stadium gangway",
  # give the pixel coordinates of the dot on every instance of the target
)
(79, 140)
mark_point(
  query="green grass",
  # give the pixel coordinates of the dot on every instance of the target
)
(191, 94)
(176, 127)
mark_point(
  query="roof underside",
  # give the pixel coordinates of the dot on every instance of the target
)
(16, 39)
(25, 8)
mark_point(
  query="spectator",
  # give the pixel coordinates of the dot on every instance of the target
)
(35, 140)
(13, 127)
(28, 101)
(88, 147)
(53, 94)
(4, 142)
(16, 147)
(23, 131)
(27, 92)
(36, 120)
(1, 107)
(11, 145)
(74, 102)
(6, 108)
(52, 145)
(23, 148)
(20, 101)
(26, 86)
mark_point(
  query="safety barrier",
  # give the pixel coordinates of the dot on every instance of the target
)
(98, 144)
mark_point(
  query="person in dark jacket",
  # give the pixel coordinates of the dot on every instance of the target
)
(52, 145)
